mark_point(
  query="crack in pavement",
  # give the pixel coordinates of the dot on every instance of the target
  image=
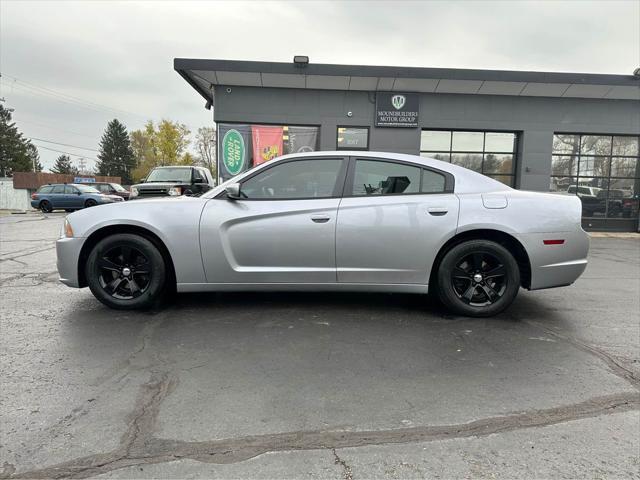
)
(139, 446)
(614, 365)
(50, 247)
(347, 473)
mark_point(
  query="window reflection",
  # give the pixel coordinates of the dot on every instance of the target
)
(490, 153)
(602, 170)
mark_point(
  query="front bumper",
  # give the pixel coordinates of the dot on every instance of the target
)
(68, 254)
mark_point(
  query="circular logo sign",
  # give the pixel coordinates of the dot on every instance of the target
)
(233, 152)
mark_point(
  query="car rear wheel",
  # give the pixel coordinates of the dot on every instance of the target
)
(126, 272)
(90, 203)
(45, 206)
(478, 278)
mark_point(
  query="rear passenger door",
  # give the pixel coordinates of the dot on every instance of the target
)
(57, 196)
(392, 221)
(73, 199)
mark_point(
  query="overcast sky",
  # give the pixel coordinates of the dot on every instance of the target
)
(115, 58)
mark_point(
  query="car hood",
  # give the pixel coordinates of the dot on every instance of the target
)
(142, 186)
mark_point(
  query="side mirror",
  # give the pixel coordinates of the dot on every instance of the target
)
(78, 192)
(233, 191)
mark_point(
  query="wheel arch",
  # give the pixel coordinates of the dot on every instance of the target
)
(108, 230)
(505, 239)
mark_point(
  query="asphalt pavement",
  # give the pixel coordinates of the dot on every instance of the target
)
(288, 385)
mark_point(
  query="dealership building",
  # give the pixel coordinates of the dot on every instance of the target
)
(570, 133)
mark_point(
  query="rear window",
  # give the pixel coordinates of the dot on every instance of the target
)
(45, 189)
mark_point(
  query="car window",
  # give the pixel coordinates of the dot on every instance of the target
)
(432, 182)
(373, 177)
(46, 189)
(58, 189)
(69, 190)
(86, 189)
(197, 175)
(117, 187)
(102, 187)
(297, 179)
(170, 174)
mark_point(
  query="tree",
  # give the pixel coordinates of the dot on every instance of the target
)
(116, 155)
(163, 145)
(17, 154)
(33, 154)
(206, 146)
(63, 165)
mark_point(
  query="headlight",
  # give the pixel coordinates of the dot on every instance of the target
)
(106, 199)
(66, 231)
(175, 191)
(133, 192)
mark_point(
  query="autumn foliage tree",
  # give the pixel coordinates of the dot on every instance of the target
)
(160, 145)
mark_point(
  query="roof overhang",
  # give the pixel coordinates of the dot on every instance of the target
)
(204, 74)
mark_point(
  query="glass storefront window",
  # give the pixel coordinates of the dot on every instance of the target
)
(352, 138)
(242, 146)
(602, 170)
(467, 141)
(435, 140)
(490, 153)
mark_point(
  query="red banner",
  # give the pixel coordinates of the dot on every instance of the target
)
(267, 143)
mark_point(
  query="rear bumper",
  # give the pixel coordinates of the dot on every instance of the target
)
(68, 254)
(556, 265)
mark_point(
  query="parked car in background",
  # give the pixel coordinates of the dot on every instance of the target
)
(111, 189)
(174, 181)
(69, 197)
(345, 220)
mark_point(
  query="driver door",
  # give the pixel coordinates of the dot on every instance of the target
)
(283, 228)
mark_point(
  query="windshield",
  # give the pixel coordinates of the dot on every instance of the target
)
(85, 189)
(118, 188)
(170, 175)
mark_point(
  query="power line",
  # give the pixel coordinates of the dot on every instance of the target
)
(63, 97)
(64, 144)
(68, 153)
(56, 128)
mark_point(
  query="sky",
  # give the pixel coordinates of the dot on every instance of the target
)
(69, 67)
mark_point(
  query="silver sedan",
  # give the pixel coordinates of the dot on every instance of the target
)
(319, 221)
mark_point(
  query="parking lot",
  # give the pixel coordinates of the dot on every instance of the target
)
(316, 385)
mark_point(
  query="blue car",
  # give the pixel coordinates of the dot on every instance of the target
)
(69, 197)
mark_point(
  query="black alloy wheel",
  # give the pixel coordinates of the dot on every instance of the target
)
(90, 203)
(126, 271)
(478, 278)
(45, 206)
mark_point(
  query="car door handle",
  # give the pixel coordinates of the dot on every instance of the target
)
(320, 218)
(437, 211)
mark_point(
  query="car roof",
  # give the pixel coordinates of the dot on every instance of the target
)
(174, 166)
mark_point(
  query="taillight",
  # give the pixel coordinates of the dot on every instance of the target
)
(34, 196)
(553, 242)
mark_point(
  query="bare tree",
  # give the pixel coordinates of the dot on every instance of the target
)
(206, 146)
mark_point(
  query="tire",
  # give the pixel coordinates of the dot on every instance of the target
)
(117, 260)
(464, 286)
(69, 210)
(45, 206)
(90, 203)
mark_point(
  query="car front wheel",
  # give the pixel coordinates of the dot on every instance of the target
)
(45, 206)
(478, 278)
(126, 272)
(90, 203)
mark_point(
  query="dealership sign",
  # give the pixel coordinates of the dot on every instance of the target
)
(396, 110)
(84, 180)
(233, 151)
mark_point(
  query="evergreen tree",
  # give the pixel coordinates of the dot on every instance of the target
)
(63, 165)
(116, 156)
(17, 154)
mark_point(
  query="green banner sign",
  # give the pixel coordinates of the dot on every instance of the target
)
(233, 152)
